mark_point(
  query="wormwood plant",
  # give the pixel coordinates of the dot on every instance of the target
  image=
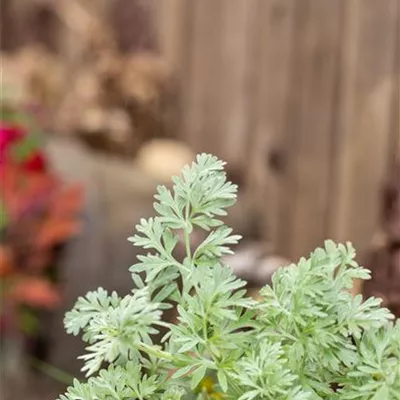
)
(307, 338)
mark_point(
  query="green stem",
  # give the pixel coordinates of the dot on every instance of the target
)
(187, 245)
(186, 233)
(205, 334)
(154, 351)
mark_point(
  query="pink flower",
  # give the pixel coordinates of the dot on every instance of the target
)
(8, 135)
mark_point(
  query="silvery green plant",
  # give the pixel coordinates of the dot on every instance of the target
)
(307, 338)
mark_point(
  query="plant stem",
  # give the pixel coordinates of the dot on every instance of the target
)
(205, 334)
(154, 351)
(186, 233)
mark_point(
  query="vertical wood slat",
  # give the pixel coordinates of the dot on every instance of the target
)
(291, 141)
(346, 99)
(265, 170)
(218, 116)
(201, 86)
(363, 135)
(174, 21)
(234, 73)
(395, 120)
(170, 20)
(312, 124)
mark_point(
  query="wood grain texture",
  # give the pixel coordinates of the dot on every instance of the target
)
(303, 96)
(235, 73)
(266, 171)
(363, 132)
(170, 20)
(311, 123)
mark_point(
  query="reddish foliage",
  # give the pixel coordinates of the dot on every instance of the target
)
(6, 261)
(35, 163)
(9, 134)
(36, 292)
(55, 230)
(39, 214)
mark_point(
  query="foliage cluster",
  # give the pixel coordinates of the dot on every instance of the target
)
(307, 338)
(38, 214)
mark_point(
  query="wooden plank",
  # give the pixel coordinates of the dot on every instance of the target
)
(234, 71)
(216, 92)
(200, 88)
(267, 141)
(311, 123)
(341, 164)
(362, 134)
(291, 116)
(175, 38)
(394, 145)
(171, 15)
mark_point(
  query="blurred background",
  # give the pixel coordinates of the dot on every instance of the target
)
(104, 99)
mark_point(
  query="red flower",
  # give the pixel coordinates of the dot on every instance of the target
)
(35, 163)
(9, 134)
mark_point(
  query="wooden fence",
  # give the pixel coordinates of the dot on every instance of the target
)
(303, 95)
